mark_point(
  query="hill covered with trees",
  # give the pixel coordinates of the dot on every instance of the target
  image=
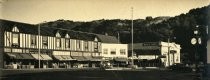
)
(178, 29)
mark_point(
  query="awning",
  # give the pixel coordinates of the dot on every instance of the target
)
(14, 55)
(148, 57)
(63, 57)
(66, 57)
(26, 56)
(121, 59)
(96, 58)
(58, 57)
(20, 55)
(88, 57)
(79, 58)
(46, 57)
(37, 57)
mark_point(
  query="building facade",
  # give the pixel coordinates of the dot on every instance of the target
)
(172, 53)
(113, 52)
(155, 54)
(208, 56)
(33, 46)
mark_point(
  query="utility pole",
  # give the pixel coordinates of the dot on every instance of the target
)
(39, 45)
(118, 36)
(2, 41)
(168, 51)
(132, 36)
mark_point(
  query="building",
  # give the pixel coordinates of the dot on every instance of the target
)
(208, 56)
(113, 52)
(32, 46)
(155, 54)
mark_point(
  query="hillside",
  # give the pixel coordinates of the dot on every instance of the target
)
(113, 27)
(179, 29)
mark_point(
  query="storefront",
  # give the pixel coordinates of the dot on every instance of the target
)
(155, 54)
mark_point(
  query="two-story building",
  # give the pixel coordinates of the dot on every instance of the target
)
(113, 52)
(32, 46)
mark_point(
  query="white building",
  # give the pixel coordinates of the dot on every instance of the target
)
(112, 50)
(171, 51)
(156, 53)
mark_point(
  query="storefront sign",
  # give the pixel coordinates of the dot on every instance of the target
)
(150, 44)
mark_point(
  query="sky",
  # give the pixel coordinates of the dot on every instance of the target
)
(37, 11)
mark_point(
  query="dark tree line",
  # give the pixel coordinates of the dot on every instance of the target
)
(179, 29)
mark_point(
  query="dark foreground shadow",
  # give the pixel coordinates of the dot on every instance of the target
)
(101, 75)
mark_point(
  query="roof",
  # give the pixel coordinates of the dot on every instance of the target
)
(107, 39)
(50, 31)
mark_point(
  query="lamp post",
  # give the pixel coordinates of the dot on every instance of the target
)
(207, 67)
(196, 40)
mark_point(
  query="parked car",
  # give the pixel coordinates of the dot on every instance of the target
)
(180, 67)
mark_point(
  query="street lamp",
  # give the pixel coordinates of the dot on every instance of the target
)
(168, 51)
(196, 40)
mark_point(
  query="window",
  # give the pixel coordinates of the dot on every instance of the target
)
(113, 51)
(86, 45)
(67, 43)
(15, 39)
(95, 46)
(44, 41)
(58, 42)
(58, 39)
(105, 51)
(122, 52)
(33, 40)
(78, 44)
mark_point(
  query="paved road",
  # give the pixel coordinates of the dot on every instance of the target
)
(95, 74)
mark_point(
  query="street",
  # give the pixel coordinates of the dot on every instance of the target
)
(96, 74)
